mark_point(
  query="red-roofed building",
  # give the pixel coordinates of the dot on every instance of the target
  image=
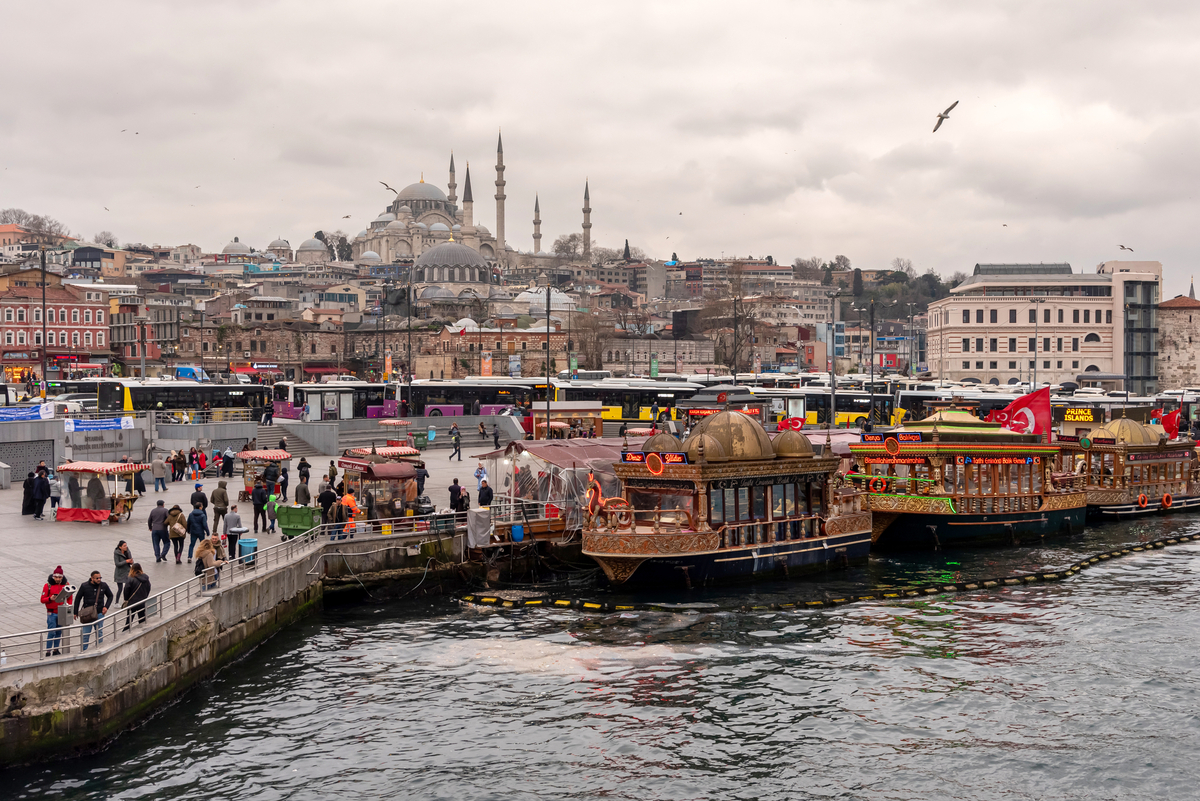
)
(76, 331)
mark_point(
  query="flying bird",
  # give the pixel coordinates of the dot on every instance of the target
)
(945, 115)
(1004, 224)
(385, 186)
(346, 217)
(1122, 247)
(106, 208)
(123, 130)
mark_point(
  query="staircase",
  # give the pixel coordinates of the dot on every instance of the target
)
(269, 436)
(469, 426)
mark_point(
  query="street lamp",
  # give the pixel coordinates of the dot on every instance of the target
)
(911, 339)
(871, 308)
(141, 321)
(1035, 301)
(831, 349)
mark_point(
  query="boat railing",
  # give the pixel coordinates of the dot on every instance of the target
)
(764, 532)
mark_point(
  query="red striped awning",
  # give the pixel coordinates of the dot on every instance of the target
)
(393, 450)
(264, 456)
(394, 423)
(103, 468)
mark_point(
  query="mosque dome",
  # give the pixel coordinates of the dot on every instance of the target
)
(471, 294)
(406, 209)
(361, 234)
(713, 452)
(386, 217)
(791, 444)
(312, 246)
(370, 257)
(450, 254)
(279, 243)
(1130, 431)
(421, 191)
(662, 442)
(499, 293)
(436, 293)
(236, 247)
(439, 227)
(536, 298)
(456, 228)
(741, 438)
(421, 225)
(468, 324)
(396, 225)
(479, 229)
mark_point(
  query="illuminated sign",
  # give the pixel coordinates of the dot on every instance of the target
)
(1148, 457)
(1060, 438)
(702, 412)
(633, 457)
(655, 461)
(899, 436)
(1079, 416)
(674, 458)
(654, 464)
(998, 459)
(1104, 440)
(894, 460)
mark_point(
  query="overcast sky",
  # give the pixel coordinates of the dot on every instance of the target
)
(705, 128)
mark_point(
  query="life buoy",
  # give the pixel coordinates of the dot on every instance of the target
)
(1142, 501)
(1167, 500)
(877, 484)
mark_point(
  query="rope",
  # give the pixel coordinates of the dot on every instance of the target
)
(919, 591)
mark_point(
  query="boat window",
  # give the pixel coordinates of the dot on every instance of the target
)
(777, 500)
(1037, 480)
(718, 507)
(730, 505)
(969, 470)
(985, 480)
(760, 502)
(743, 500)
(790, 502)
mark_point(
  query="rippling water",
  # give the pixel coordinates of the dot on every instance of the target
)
(1081, 689)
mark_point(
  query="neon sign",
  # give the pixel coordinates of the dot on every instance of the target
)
(654, 464)
(633, 457)
(998, 460)
(899, 436)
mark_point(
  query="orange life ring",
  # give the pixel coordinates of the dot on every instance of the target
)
(1142, 501)
(877, 484)
(1167, 500)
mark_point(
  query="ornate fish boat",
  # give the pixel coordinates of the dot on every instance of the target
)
(728, 504)
(953, 480)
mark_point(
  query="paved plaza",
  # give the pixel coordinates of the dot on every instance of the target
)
(33, 549)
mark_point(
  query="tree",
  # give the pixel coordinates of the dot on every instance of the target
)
(106, 238)
(569, 245)
(827, 278)
(47, 229)
(902, 265)
(957, 278)
(674, 256)
(807, 269)
(840, 263)
(858, 283)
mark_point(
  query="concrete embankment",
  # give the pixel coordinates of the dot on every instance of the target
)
(75, 704)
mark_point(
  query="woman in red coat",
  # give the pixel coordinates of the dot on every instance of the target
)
(53, 597)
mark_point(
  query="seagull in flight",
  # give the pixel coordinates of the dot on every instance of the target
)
(945, 115)
(1122, 247)
(346, 217)
(385, 186)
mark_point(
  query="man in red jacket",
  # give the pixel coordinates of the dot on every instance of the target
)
(53, 596)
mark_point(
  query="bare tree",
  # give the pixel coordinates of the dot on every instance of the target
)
(590, 335)
(47, 229)
(106, 238)
(808, 269)
(902, 265)
(840, 263)
(569, 245)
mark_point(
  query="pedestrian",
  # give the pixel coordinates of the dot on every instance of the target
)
(177, 530)
(332, 472)
(496, 435)
(136, 595)
(327, 498)
(303, 469)
(422, 474)
(55, 490)
(139, 484)
(269, 414)
(197, 528)
(455, 494)
(480, 476)
(209, 558)
(258, 497)
(92, 601)
(283, 443)
(482, 430)
(54, 595)
(303, 496)
(41, 494)
(157, 523)
(624, 428)
(28, 507)
(128, 476)
(351, 509)
(271, 476)
(304, 414)
(283, 483)
(654, 411)
(485, 494)
(122, 558)
(158, 468)
(75, 491)
(193, 463)
(234, 529)
(220, 502)
(95, 493)
(272, 507)
(180, 462)
(227, 462)
(475, 407)
(456, 440)
(199, 497)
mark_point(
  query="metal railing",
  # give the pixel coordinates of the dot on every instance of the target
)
(204, 416)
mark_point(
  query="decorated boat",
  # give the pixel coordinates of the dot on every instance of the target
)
(1128, 468)
(727, 504)
(953, 479)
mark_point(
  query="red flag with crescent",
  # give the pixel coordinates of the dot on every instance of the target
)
(1028, 414)
(1170, 424)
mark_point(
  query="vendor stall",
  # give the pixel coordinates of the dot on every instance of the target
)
(392, 453)
(382, 488)
(257, 464)
(397, 428)
(102, 498)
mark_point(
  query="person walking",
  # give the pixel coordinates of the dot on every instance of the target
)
(139, 484)
(193, 463)
(234, 529)
(283, 483)
(456, 441)
(220, 503)
(159, 538)
(480, 477)
(351, 510)
(28, 506)
(485, 494)
(55, 490)
(180, 462)
(199, 497)
(75, 491)
(270, 476)
(41, 494)
(158, 468)
(227, 462)
(272, 507)
(496, 435)
(259, 497)
(209, 558)
(177, 530)
(268, 418)
(136, 595)
(304, 469)
(455, 495)
(197, 528)
(122, 558)
(422, 474)
(302, 495)
(327, 498)
(54, 597)
(283, 443)
(92, 601)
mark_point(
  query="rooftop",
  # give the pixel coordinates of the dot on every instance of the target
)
(1023, 269)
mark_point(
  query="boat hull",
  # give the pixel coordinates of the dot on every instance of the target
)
(1107, 505)
(923, 531)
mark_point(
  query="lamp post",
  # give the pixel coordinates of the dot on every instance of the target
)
(911, 339)
(141, 321)
(831, 348)
(871, 309)
(42, 248)
(1036, 302)
(547, 361)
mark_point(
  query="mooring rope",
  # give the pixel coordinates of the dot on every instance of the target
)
(923, 590)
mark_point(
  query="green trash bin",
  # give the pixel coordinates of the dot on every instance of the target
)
(420, 440)
(296, 520)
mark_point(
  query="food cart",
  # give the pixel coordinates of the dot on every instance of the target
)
(392, 453)
(399, 427)
(383, 489)
(253, 465)
(115, 505)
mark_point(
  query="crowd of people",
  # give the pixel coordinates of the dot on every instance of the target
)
(94, 599)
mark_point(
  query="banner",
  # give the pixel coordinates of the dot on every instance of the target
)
(387, 365)
(514, 365)
(110, 424)
(43, 411)
(654, 365)
(485, 363)
(574, 363)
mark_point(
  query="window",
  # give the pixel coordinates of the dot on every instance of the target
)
(87, 338)
(262, 345)
(74, 315)
(1033, 315)
(1045, 344)
(37, 337)
(992, 365)
(979, 315)
(204, 347)
(37, 314)
(20, 315)
(966, 365)
(543, 346)
(1092, 338)
(1060, 316)
(49, 337)
(8, 337)
(312, 348)
(1046, 316)
(1012, 344)
(1075, 344)
(75, 339)
(20, 337)
(992, 316)
(979, 344)
(1032, 345)
(87, 316)
(1097, 317)
(1108, 316)
(1074, 316)
(993, 346)
(1012, 365)
(254, 346)
(1075, 365)
(1087, 315)
(978, 365)
(332, 348)
(1046, 365)
(99, 318)
(1059, 348)
(1032, 364)
(1060, 365)
(966, 348)
(49, 315)
(524, 346)
(966, 316)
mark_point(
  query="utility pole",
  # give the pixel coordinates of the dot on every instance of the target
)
(1036, 304)
(42, 248)
(547, 362)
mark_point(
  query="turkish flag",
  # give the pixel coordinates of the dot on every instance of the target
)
(1170, 422)
(1028, 414)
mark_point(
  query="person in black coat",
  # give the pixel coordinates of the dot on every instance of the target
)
(41, 493)
(485, 494)
(283, 483)
(136, 594)
(259, 498)
(327, 499)
(198, 497)
(139, 483)
(27, 505)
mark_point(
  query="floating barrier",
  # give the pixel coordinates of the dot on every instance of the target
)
(900, 594)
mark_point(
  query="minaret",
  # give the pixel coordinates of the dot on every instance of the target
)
(500, 251)
(537, 225)
(468, 209)
(587, 224)
(1192, 289)
(453, 186)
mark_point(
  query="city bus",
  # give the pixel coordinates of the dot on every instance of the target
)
(335, 400)
(630, 398)
(853, 407)
(136, 395)
(454, 397)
